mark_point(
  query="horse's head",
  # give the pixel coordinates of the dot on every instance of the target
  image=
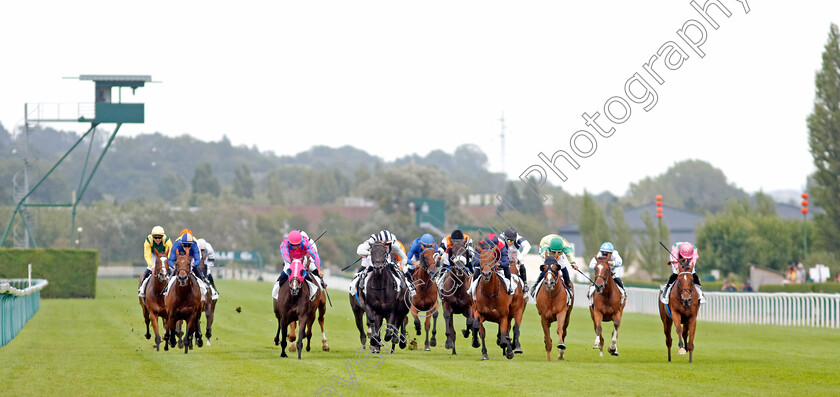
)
(378, 256)
(488, 259)
(552, 275)
(428, 260)
(603, 273)
(296, 277)
(183, 267)
(685, 282)
(160, 265)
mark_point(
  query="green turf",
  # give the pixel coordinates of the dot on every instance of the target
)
(96, 347)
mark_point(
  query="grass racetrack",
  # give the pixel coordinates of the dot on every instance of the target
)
(96, 347)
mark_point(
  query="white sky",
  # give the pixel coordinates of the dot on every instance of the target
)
(395, 78)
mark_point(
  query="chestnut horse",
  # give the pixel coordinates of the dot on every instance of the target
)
(319, 304)
(209, 304)
(682, 309)
(426, 299)
(153, 304)
(183, 302)
(292, 304)
(607, 305)
(492, 302)
(454, 284)
(552, 306)
(517, 303)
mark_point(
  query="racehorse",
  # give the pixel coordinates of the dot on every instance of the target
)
(209, 304)
(492, 302)
(552, 306)
(319, 304)
(606, 305)
(183, 302)
(454, 284)
(153, 304)
(517, 303)
(426, 299)
(383, 302)
(682, 309)
(292, 304)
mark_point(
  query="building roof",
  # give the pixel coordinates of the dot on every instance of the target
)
(790, 211)
(116, 77)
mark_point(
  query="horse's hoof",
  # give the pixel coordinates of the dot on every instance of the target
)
(484, 357)
(466, 333)
(509, 354)
(433, 342)
(613, 352)
(561, 346)
(307, 347)
(208, 341)
(284, 355)
(403, 344)
(475, 344)
(427, 348)
(325, 348)
(681, 351)
(148, 335)
(596, 346)
(448, 344)
(180, 344)
(292, 348)
(199, 342)
(518, 350)
(209, 335)
(276, 341)
(560, 357)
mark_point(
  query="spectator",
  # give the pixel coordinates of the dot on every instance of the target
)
(728, 287)
(801, 276)
(746, 287)
(837, 278)
(790, 274)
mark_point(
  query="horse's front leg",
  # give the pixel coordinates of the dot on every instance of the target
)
(546, 326)
(678, 327)
(433, 341)
(303, 321)
(561, 334)
(284, 329)
(692, 325)
(479, 321)
(599, 340)
(616, 324)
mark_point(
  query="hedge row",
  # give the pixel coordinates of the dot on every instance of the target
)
(826, 288)
(71, 273)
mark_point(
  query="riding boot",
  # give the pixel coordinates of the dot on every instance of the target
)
(699, 288)
(140, 289)
(536, 284)
(670, 281)
(567, 281)
(282, 279)
(210, 277)
(523, 276)
(510, 281)
(620, 288)
(696, 279)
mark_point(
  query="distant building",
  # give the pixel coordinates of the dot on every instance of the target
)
(681, 224)
(790, 211)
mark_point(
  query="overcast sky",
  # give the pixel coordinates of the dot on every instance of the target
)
(395, 78)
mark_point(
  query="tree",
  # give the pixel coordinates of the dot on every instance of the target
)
(204, 181)
(593, 226)
(531, 202)
(766, 205)
(243, 183)
(691, 184)
(621, 235)
(824, 138)
(512, 199)
(650, 258)
(171, 185)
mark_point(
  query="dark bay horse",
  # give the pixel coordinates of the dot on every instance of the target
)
(517, 302)
(552, 306)
(492, 302)
(684, 305)
(454, 285)
(153, 304)
(209, 304)
(382, 302)
(292, 304)
(607, 305)
(426, 299)
(183, 302)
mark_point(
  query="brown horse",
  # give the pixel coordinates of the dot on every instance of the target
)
(153, 304)
(426, 299)
(607, 305)
(209, 306)
(454, 284)
(183, 302)
(683, 307)
(292, 304)
(552, 306)
(319, 304)
(517, 302)
(492, 302)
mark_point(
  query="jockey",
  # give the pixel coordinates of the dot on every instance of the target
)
(522, 246)
(608, 251)
(554, 245)
(295, 246)
(415, 252)
(157, 240)
(683, 253)
(491, 241)
(394, 246)
(445, 250)
(186, 244)
(209, 254)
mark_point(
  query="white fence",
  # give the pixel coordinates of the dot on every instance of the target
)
(810, 310)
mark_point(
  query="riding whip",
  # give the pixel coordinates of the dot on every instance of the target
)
(348, 266)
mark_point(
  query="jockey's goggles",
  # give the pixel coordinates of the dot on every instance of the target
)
(424, 246)
(157, 237)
